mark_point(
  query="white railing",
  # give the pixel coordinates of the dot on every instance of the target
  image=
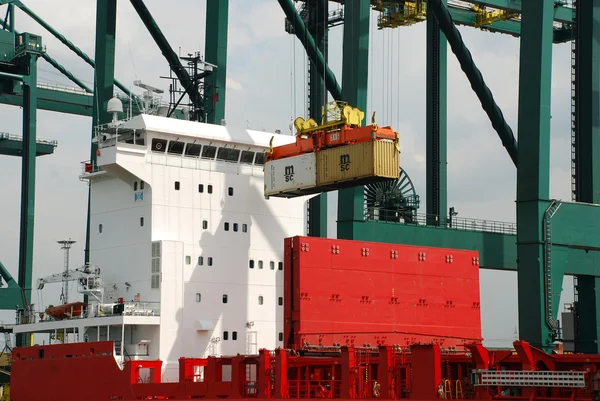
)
(12, 137)
(529, 378)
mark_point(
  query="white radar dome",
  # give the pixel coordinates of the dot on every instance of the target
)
(115, 106)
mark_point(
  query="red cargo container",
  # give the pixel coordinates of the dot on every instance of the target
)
(341, 292)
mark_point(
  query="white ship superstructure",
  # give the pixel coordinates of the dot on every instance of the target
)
(189, 250)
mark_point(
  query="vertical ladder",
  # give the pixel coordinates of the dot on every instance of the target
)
(574, 107)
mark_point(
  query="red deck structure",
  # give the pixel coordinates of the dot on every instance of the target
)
(367, 294)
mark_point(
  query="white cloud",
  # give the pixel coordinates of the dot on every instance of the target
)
(233, 84)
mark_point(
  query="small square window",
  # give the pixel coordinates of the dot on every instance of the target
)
(176, 185)
(200, 188)
(204, 224)
(100, 228)
(280, 336)
(280, 301)
(260, 264)
(280, 265)
(141, 184)
(188, 260)
(210, 261)
(210, 189)
(198, 297)
(226, 226)
(141, 221)
(244, 228)
(225, 335)
(235, 227)
(234, 335)
(251, 264)
(230, 191)
(224, 298)
(135, 186)
(200, 260)
(272, 265)
(260, 299)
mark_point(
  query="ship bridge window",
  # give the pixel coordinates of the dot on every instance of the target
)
(193, 149)
(226, 226)
(247, 157)
(141, 184)
(204, 224)
(209, 189)
(159, 145)
(260, 264)
(135, 185)
(200, 188)
(260, 159)
(280, 301)
(176, 147)
(280, 336)
(228, 155)
(244, 228)
(272, 265)
(209, 152)
(235, 226)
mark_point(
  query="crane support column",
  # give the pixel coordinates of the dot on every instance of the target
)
(217, 16)
(587, 158)
(318, 13)
(104, 80)
(437, 160)
(355, 79)
(29, 61)
(474, 76)
(533, 175)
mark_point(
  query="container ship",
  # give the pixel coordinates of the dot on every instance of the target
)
(201, 283)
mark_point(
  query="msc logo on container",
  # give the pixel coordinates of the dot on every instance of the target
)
(289, 173)
(345, 162)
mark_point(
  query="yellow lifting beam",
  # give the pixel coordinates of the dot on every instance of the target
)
(485, 17)
(336, 115)
(395, 14)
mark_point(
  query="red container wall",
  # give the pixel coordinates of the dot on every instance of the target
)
(341, 292)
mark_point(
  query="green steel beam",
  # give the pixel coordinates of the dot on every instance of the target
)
(106, 35)
(29, 61)
(55, 100)
(355, 79)
(533, 175)
(561, 12)
(65, 41)
(436, 126)
(587, 159)
(11, 295)
(165, 48)
(217, 12)
(11, 147)
(475, 78)
(317, 216)
(312, 50)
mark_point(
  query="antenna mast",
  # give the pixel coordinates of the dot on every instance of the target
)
(66, 246)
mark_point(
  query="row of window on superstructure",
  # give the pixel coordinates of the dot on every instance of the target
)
(209, 188)
(208, 152)
(225, 299)
(251, 265)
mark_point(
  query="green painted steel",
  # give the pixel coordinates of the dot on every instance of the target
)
(55, 100)
(561, 12)
(106, 27)
(10, 147)
(312, 50)
(67, 43)
(29, 64)
(165, 48)
(11, 295)
(436, 109)
(317, 216)
(588, 318)
(533, 175)
(355, 77)
(475, 78)
(318, 14)
(215, 51)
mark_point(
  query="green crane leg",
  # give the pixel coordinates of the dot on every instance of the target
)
(318, 13)
(474, 76)
(436, 143)
(28, 183)
(312, 51)
(217, 16)
(355, 77)
(587, 159)
(106, 32)
(533, 172)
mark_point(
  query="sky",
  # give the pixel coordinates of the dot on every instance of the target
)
(266, 70)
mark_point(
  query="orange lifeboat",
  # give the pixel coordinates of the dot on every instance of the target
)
(66, 311)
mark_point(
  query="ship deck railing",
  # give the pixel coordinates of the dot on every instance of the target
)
(402, 216)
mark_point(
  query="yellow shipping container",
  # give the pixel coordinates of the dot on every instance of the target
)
(376, 159)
